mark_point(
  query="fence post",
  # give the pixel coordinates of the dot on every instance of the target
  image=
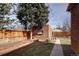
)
(3, 34)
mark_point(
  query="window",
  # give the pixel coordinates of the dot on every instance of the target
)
(40, 32)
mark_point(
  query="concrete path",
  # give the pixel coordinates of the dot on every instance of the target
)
(57, 49)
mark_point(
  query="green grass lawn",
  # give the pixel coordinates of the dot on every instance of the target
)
(34, 49)
(65, 41)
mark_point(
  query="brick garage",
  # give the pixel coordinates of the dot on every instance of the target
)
(43, 34)
(74, 9)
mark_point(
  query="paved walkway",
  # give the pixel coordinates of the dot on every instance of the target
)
(57, 49)
(10, 47)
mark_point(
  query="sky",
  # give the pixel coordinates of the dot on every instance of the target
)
(58, 14)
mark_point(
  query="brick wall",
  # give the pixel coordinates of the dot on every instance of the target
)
(50, 32)
(75, 27)
(46, 33)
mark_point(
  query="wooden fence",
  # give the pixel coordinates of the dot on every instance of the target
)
(13, 35)
(61, 34)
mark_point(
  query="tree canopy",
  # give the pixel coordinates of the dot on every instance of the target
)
(32, 14)
(4, 9)
(5, 12)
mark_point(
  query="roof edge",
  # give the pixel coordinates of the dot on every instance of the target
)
(71, 5)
